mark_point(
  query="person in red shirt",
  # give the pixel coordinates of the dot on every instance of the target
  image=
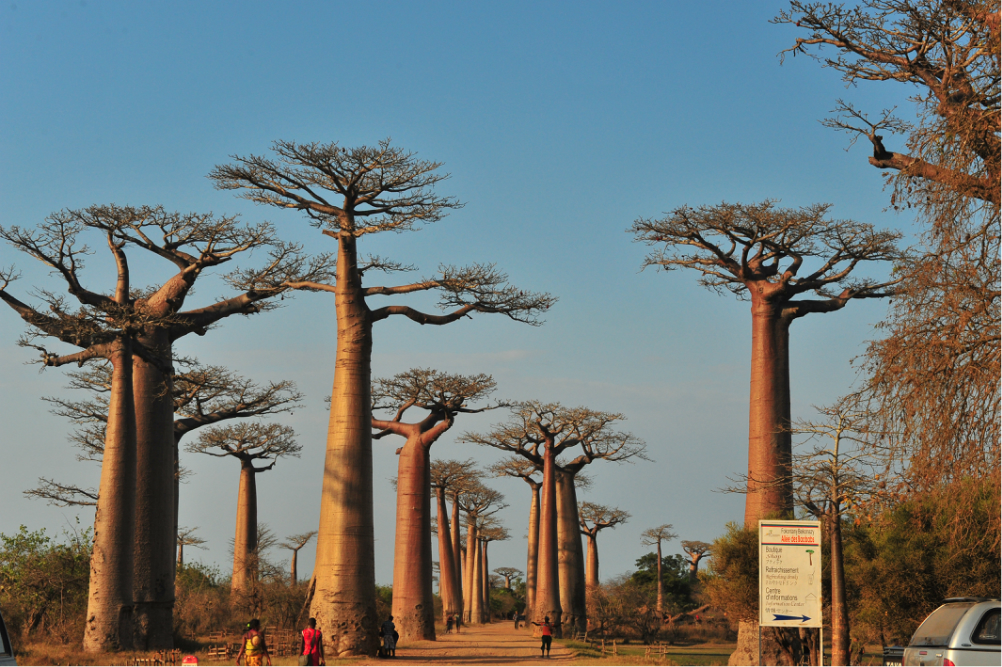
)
(546, 633)
(312, 645)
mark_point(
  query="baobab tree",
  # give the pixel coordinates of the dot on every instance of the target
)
(831, 477)
(101, 326)
(696, 551)
(294, 543)
(524, 469)
(479, 503)
(448, 477)
(186, 538)
(508, 573)
(492, 532)
(771, 256)
(442, 396)
(653, 537)
(203, 395)
(192, 243)
(540, 432)
(595, 518)
(247, 442)
(348, 193)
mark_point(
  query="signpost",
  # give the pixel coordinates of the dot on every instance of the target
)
(789, 574)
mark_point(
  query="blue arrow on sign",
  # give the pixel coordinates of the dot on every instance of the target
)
(781, 617)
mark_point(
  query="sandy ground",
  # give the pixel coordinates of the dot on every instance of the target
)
(494, 644)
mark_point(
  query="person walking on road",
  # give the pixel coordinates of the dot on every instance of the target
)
(389, 634)
(253, 648)
(546, 634)
(311, 646)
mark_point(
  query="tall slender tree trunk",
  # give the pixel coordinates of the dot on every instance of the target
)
(180, 556)
(591, 578)
(245, 538)
(570, 554)
(110, 600)
(547, 602)
(293, 575)
(344, 602)
(485, 581)
(153, 579)
(661, 586)
(476, 561)
(533, 556)
(469, 576)
(177, 495)
(840, 610)
(446, 560)
(413, 597)
(457, 556)
(770, 488)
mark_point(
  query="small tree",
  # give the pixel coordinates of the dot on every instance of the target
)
(248, 442)
(830, 478)
(653, 537)
(696, 551)
(186, 538)
(442, 396)
(508, 573)
(348, 194)
(595, 518)
(295, 543)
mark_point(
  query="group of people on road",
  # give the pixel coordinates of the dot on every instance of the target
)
(254, 648)
(453, 620)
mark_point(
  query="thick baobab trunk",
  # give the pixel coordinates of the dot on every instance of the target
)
(470, 585)
(840, 610)
(770, 489)
(547, 602)
(110, 601)
(485, 582)
(533, 556)
(446, 560)
(245, 538)
(413, 598)
(153, 580)
(457, 556)
(591, 575)
(293, 575)
(344, 602)
(180, 556)
(476, 561)
(570, 555)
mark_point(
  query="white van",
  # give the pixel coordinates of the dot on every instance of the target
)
(964, 631)
(6, 650)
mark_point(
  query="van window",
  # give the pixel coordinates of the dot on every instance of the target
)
(988, 629)
(938, 628)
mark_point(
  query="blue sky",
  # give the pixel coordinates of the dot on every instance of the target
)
(560, 124)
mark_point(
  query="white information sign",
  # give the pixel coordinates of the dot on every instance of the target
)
(789, 573)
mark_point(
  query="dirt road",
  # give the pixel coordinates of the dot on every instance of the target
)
(494, 644)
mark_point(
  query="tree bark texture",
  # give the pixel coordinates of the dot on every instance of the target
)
(591, 575)
(245, 538)
(413, 598)
(446, 559)
(344, 602)
(570, 555)
(840, 610)
(533, 556)
(470, 585)
(457, 555)
(780, 646)
(477, 584)
(153, 580)
(110, 600)
(770, 488)
(547, 602)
